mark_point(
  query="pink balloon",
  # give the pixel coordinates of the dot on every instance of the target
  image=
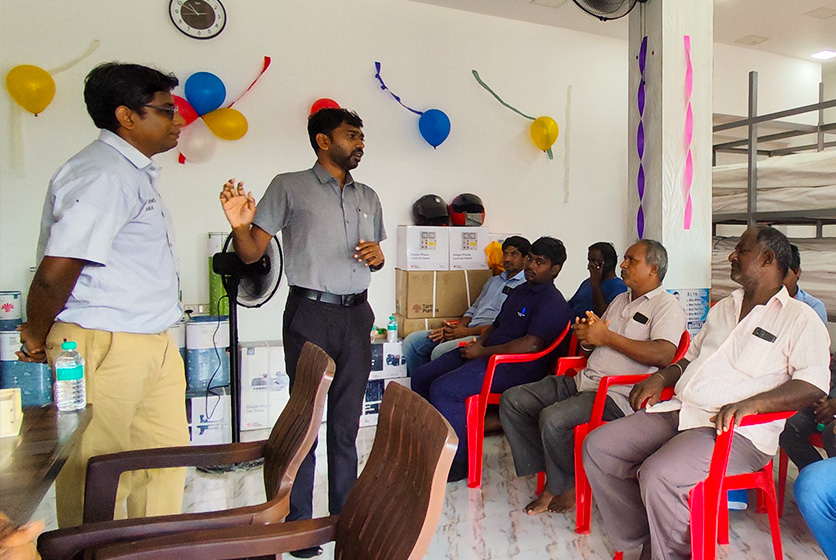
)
(185, 109)
(324, 103)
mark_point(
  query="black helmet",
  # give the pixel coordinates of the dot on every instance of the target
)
(430, 210)
(467, 210)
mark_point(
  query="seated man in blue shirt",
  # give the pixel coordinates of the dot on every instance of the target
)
(422, 346)
(533, 315)
(596, 292)
(791, 283)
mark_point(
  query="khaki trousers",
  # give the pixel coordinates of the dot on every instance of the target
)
(136, 384)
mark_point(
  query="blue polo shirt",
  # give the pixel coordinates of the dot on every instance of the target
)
(537, 309)
(582, 302)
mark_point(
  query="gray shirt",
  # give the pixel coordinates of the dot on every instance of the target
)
(656, 315)
(321, 225)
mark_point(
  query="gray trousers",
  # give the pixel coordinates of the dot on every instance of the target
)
(539, 420)
(641, 469)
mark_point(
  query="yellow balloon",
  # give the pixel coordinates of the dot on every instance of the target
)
(32, 87)
(544, 132)
(228, 123)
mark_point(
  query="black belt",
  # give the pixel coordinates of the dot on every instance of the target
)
(344, 300)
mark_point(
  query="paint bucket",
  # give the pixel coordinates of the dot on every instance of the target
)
(207, 356)
(218, 302)
(33, 380)
(10, 308)
(9, 344)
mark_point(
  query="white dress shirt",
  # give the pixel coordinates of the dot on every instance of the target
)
(103, 207)
(731, 361)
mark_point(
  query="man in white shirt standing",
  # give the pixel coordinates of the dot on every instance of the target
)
(760, 351)
(108, 280)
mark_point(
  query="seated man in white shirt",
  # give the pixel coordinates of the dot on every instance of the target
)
(760, 351)
(420, 347)
(638, 333)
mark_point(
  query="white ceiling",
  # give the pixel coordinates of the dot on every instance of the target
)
(785, 23)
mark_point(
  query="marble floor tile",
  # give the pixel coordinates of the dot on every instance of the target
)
(487, 523)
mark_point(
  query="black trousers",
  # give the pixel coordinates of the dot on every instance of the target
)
(343, 332)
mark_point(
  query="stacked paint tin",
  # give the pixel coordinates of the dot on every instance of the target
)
(207, 353)
(10, 309)
(33, 380)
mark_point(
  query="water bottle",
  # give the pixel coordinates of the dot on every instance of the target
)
(70, 393)
(392, 329)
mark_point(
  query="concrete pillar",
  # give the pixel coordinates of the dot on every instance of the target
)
(666, 24)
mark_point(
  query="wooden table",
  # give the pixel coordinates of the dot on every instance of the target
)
(30, 462)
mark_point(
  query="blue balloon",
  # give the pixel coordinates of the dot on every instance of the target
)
(205, 92)
(434, 126)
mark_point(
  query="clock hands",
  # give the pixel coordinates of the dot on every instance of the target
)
(194, 10)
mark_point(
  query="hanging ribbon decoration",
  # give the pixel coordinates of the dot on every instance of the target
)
(689, 132)
(544, 130)
(433, 124)
(640, 138)
(566, 143)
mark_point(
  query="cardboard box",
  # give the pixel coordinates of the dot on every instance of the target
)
(409, 326)
(421, 294)
(264, 384)
(423, 248)
(467, 248)
(388, 360)
(209, 418)
(374, 396)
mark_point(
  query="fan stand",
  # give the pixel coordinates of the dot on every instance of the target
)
(232, 269)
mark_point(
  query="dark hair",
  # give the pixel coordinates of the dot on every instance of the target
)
(522, 244)
(113, 84)
(608, 252)
(655, 254)
(795, 260)
(550, 248)
(770, 239)
(326, 120)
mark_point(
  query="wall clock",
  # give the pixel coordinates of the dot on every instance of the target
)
(199, 19)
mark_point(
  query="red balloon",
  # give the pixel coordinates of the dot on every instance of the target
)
(324, 103)
(185, 109)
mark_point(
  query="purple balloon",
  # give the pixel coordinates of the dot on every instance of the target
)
(643, 55)
(640, 223)
(641, 98)
(641, 182)
(640, 140)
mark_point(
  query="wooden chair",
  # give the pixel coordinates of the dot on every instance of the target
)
(783, 464)
(476, 405)
(583, 492)
(391, 513)
(709, 506)
(289, 443)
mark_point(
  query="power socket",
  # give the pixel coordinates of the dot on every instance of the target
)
(193, 309)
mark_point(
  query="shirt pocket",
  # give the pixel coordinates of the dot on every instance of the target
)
(752, 354)
(635, 330)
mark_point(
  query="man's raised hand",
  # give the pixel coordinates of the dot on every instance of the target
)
(238, 205)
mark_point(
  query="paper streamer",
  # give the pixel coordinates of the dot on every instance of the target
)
(384, 88)
(640, 100)
(689, 133)
(94, 44)
(566, 144)
(504, 104)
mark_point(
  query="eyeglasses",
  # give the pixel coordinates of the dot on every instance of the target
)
(169, 111)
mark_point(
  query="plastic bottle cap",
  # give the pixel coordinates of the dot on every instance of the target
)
(69, 345)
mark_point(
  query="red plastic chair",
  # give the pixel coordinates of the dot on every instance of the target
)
(476, 405)
(583, 492)
(709, 507)
(576, 363)
(783, 463)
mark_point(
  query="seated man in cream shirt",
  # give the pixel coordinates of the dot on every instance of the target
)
(760, 351)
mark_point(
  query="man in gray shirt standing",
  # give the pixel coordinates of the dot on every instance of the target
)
(331, 228)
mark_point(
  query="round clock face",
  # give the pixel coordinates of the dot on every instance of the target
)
(199, 19)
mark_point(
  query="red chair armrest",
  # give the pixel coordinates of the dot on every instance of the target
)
(571, 364)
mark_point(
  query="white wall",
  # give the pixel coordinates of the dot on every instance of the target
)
(327, 48)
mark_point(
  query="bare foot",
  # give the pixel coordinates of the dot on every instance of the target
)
(563, 503)
(540, 504)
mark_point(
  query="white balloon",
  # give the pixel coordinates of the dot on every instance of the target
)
(197, 143)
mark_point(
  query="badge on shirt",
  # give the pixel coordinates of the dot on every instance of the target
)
(764, 335)
(639, 318)
(507, 290)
